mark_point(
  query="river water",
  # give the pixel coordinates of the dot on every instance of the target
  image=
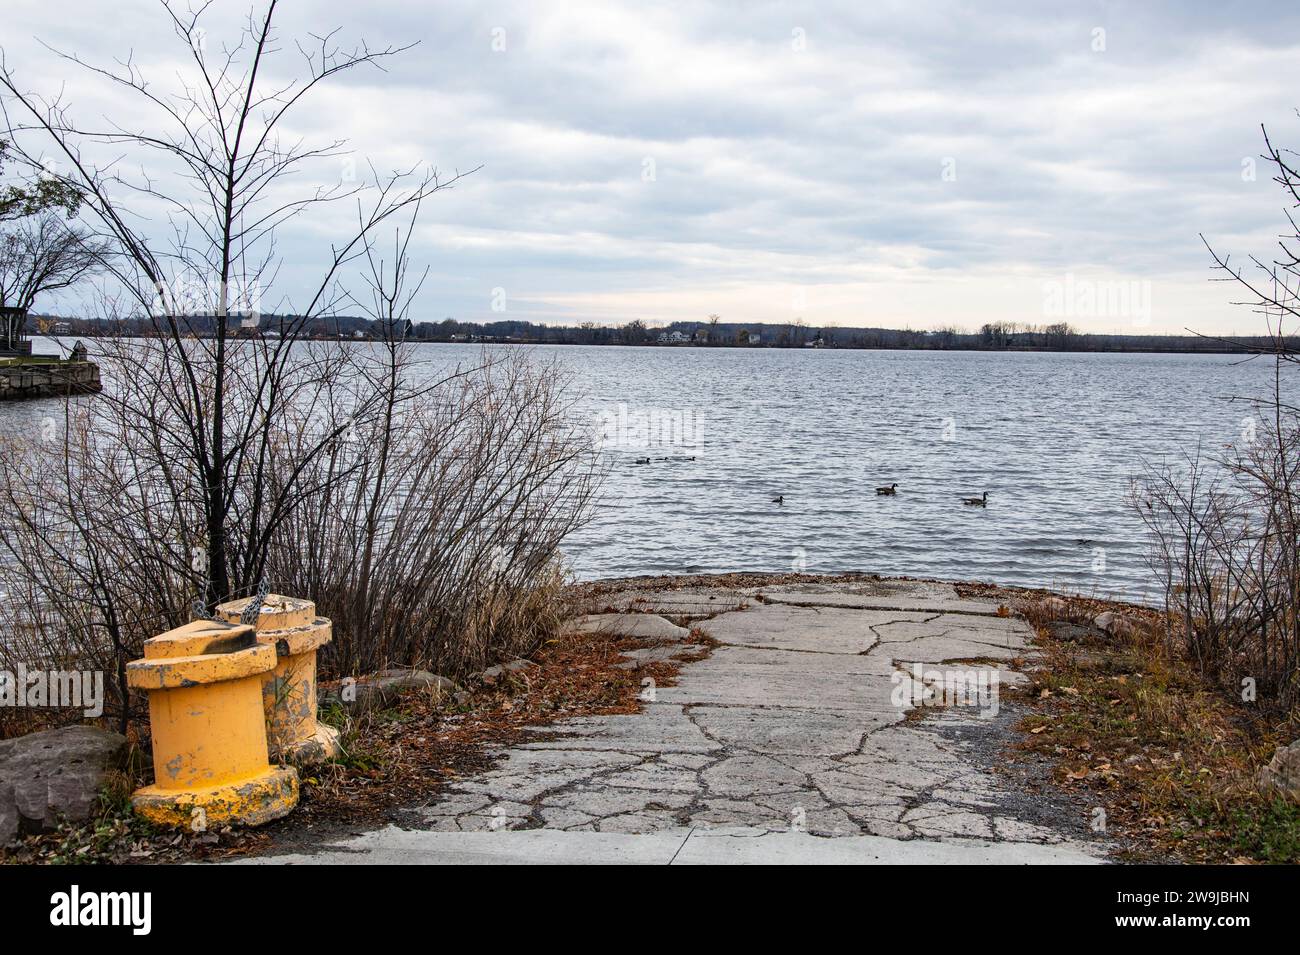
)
(1055, 440)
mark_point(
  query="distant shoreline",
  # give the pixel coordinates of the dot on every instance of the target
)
(1240, 350)
(1112, 344)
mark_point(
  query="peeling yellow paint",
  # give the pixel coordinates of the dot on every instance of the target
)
(290, 627)
(209, 736)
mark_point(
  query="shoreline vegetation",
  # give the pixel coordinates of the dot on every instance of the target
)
(998, 337)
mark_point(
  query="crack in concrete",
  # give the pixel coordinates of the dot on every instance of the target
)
(831, 653)
(899, 778)
(682, 846)
(809, 605)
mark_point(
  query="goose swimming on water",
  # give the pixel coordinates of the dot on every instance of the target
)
(977, 501)
(887, 489)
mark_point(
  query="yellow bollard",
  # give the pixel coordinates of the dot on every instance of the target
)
(289, 694)
(209, 736)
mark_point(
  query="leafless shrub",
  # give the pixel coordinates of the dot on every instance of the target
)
(434, 538)
(1225, 529)
(429, 529)
(422, 508)
(1224, 544)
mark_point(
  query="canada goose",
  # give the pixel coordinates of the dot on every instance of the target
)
(977, 501)
(886, 490)
(779, 499)
(642, 461)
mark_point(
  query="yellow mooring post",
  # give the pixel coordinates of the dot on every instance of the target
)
(204, 682)
(291, 626)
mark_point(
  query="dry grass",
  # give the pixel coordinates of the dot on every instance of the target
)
(1168, 756)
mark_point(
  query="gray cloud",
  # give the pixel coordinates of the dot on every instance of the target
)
(797, 151)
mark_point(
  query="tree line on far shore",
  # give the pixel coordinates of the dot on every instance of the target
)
(714, 333)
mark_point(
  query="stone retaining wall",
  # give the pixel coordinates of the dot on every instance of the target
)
(48, 379)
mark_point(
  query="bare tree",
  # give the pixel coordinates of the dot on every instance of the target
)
(43, 253)
(1273, 286)
(213, 158)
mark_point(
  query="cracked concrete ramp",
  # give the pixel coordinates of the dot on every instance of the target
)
(791, 742)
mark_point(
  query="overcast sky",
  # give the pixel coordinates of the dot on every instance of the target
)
(849, 163)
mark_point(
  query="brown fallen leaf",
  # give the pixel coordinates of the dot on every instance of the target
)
(1038, 729)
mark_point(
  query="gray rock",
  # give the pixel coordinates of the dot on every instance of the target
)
(879, 594)
(1055, 606)
(659, 728)
(646, 626)
(639, 658)
(808, 629)
(1114, 624)
(520, 667)
(1071, 632)
(385, 688)
(1282, 774)
(54, 774)
(402, 680)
